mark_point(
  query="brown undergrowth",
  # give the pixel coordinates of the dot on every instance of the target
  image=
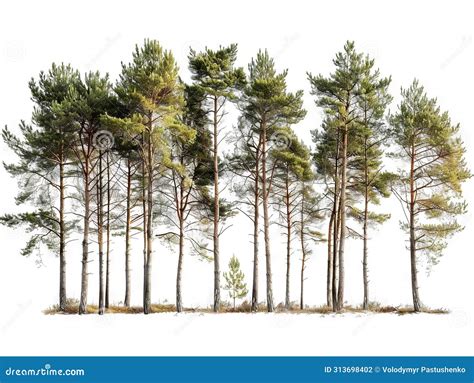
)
(72, 307)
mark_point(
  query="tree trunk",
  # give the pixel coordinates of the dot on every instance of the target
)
(365, 228)
(288, 241)
(256, 232)
(179, 305)
(414, 271)
(127, 236)
(217, 291)
(335, 236)
(329, 268)
(62, 240)
(180, 209)
(266, 230)
(100, 223)
(342, 210)
(149, 242)
(107, 272)
(303, 253)
(85, 241)
(144, 204)
(336, 224)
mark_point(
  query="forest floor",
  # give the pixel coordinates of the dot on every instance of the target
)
(73, 308)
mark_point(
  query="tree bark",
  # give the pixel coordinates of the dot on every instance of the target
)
(365, 236)
(149, 237)
(414, 271)
(180, 209)
(85, 240)
(144, 208)
(303, 253)
(335, 235)
(342, 210)
(127, 236)
(62, 239)
(288, 241)
(100, 224)
(217, 291)
(256, 231)
(329, 267)
(179, 304)
(107, 272)
(266, 230)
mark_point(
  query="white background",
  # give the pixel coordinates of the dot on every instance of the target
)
(431, 41)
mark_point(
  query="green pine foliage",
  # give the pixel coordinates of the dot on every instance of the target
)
(426, 137)
(235, 283)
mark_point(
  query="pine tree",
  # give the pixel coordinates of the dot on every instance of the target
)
(214, 74)
(369, 179)
(293, 165)
(90, 99)
(268, 106)
(44, 152)
(150, 86)
(430, 187)
(337, 95)
(185, 184)
(235, 284)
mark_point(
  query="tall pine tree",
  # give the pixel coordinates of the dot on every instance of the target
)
(430, 184)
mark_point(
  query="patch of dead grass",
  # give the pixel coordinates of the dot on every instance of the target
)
(72, 307)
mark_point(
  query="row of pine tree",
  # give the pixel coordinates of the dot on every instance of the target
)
(143, 157)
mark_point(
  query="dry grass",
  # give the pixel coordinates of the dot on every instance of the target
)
(72, 307)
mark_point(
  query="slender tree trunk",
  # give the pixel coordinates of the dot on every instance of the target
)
(85, 240)
(149, 242)
(303, 253)
(127, 236)
(335, 259)
(62, 239)
(365, 235)
(288, 242)
(179, 304)
(217, 291)
(266, 230)
(414, 271)
(100, 225)
(144, 204)
(107, 272)
(180, 210)
(336, 224)
(342, 209)
(256, 232)
(329, 268)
